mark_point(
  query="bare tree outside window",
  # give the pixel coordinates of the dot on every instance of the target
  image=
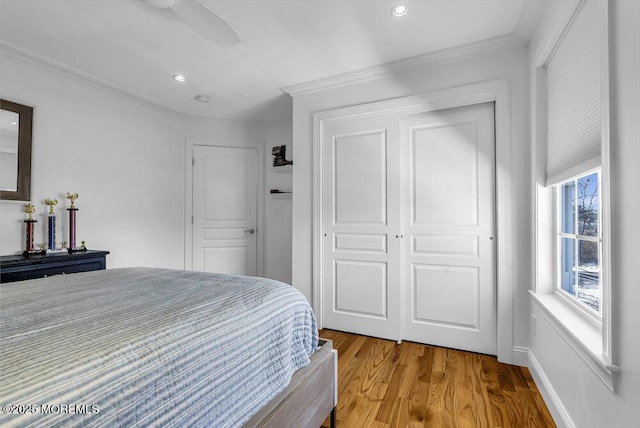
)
(580, 242)
(588, 205)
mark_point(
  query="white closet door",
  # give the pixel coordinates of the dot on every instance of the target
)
(449, 257)
(361, 222)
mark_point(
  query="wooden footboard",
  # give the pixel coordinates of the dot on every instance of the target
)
(310, 397)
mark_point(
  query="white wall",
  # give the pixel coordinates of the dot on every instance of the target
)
(508, 63)
(278, 208)
(125, 159)
(581, 397)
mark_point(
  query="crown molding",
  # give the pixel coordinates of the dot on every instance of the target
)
(357, 76)
(50, 64)
(65, 70)
(388, 69)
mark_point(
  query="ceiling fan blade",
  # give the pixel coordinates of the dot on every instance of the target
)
(206, 23)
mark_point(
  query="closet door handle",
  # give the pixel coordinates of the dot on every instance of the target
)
(250, 231)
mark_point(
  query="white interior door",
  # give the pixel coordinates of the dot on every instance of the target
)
(360, 244)
(225, 186)
(449, 262)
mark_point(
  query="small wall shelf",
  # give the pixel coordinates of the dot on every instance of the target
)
(282, 195)
(283, 168)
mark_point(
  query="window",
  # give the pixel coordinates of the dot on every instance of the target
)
(579, 246)
(573, 287)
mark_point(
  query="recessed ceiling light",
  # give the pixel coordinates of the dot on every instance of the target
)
(399, 10)
(179, 78)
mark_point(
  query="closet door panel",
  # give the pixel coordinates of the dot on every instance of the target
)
(360, 252)
(360, 178)
(443, 245)
(449, 289)
(375, 243)
(439, 289)
(444, 174)
(361, 288)
(408, 225)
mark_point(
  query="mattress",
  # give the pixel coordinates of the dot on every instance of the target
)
(148, 347)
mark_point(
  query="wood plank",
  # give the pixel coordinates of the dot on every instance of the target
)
(383, 384)
(308, 397)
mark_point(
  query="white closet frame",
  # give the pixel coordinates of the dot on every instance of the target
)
(491, 91)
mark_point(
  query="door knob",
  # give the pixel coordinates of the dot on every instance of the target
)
(250, 231)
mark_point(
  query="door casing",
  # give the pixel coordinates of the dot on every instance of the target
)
(188, 225)
(496, 91)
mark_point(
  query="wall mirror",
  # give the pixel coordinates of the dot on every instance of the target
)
(15, 151)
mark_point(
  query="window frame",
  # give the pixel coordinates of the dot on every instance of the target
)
(595, 343)
(573, 301)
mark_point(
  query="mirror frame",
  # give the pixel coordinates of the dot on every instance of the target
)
(25, 132)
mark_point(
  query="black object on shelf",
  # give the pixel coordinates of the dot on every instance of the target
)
(279, 156)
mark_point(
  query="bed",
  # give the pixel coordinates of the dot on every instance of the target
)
(158, 347)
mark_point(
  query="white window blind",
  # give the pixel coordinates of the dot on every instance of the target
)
(574, 120)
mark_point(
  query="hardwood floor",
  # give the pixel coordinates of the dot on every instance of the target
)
(383, 384)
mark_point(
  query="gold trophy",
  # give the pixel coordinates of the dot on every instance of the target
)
(30, 251)
(30, 209)
(51, 247)
(52, 203)
(72, 222)
(72, 197)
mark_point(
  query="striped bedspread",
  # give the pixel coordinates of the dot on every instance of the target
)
(148, 347)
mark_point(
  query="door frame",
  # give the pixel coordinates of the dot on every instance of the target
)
(496, 91)
(190, 143)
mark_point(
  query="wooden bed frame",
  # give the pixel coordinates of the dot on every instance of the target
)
(311, 396)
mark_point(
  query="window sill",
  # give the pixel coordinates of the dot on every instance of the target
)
(581, 334)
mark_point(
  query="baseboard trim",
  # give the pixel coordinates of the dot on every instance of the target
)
(525, 357)
(520, 356)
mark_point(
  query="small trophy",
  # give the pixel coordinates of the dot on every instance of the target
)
(30, 221)
(52, 223)
(72, 197)
(72, 222)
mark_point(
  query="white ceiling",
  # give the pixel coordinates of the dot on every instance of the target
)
(136, 48)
